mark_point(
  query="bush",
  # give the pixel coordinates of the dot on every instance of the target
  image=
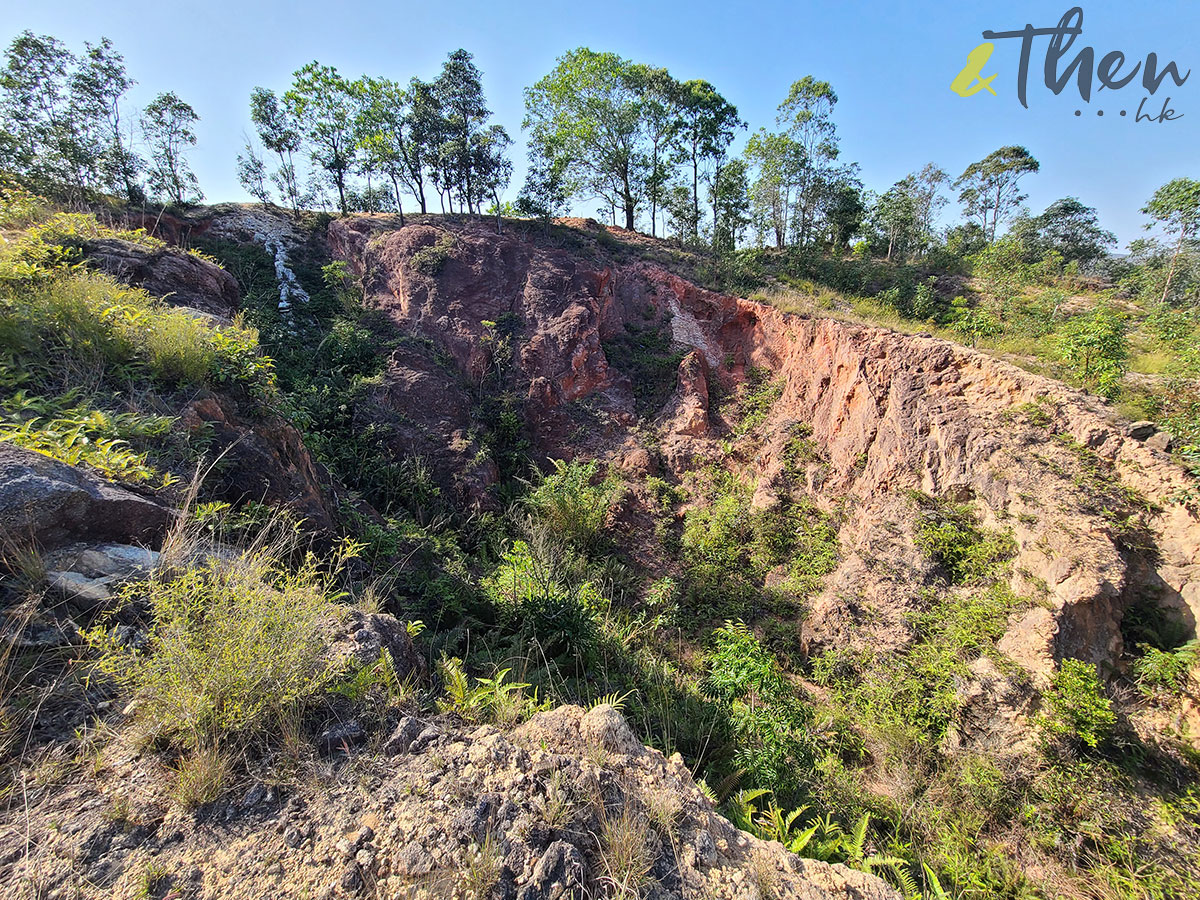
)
(1076, 710)
(572, 505)
(234, 646)
(950, 536)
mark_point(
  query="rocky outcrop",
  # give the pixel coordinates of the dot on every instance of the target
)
(46, 503)
(180, 278)
(890, 412)
(567, 805)
(264, 460)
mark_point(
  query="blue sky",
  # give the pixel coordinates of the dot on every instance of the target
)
(890, 63)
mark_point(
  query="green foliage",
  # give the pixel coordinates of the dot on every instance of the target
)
(950, 535)
(1166, 670)
(58, 322)
(1077, 712)
(643, 352)
(728, 549)
(1096, 345)
(496, 699)
(757, 396)
(574, 503)
(234, 647)
(430, 260)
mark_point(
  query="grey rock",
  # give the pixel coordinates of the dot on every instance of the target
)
(424, 739)
(414, 860)
(1161, 441)
(88, 594)
(1141, 430)
(104, 560)
(47, 502)
(342, 734)
(405, 733)
(558, 874)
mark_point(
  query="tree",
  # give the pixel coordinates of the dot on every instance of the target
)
(807, 112)
(459, 89)
(707, 125)
(252, 173)
(423, 122)
(380, 131)
(895, 216)
(1175, 205)
(323, 103)
(924, 189)
(47, 141)
(1096, 345)
(280, 135)
(844, 215)
(586, 116)
(661, 109)
(731, 205)
(780, 163)
(167, 128)
(97, 85)
(544, 194)
(990, 188)
(1072, 230)
(493, 169)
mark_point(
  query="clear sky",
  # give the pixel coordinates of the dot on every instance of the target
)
(890, 63)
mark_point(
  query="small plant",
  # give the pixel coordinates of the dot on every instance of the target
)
(1165, 670)
(950, 535)
(234, 644)
(201, 776)
(430, 260)
(573, 503)
(625, 857)
(1076, 710)
(491, 699)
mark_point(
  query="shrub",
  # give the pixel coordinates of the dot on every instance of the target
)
(571, 505)
(950, 535)
(430, 260)
(1076, 709)
(234, 645)
(1166, 670)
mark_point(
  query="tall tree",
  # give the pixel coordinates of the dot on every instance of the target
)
(661, 108)
(323, 103)
(459, 89)
(731, 205)
(280, 135)
(895, 216)
(845, 211)
(380, 131)
(97, 85)
(586, 116)
(1072, 230)
(990, 188)
(780, 163)
(493, 169)
(167, 125)
(807, 114)
(47, 145)
(708, 124)
(1176, 206)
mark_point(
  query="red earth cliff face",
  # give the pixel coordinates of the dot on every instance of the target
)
(892, 412)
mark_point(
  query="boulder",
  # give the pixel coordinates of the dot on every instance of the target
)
(48, 503)
(174, 275)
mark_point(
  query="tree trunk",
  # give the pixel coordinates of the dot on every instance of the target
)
(399, 205)
(695, 195)
(1174, 258)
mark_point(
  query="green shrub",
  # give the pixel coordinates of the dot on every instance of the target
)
(571, 505)
(430, 260)
(1166, 670)
(1076, 709)
(949, 534)
(234, 646)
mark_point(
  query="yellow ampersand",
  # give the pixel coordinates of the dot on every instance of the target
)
(967, 83)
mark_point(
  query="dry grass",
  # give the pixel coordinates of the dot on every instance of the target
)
(201, 776)
(625, 857)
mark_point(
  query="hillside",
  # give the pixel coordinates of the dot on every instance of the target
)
(319, 532)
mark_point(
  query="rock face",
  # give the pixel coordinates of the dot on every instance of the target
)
(890, 411)
(265, 461)
(47, 503)
(453, 811)
(178, 277)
